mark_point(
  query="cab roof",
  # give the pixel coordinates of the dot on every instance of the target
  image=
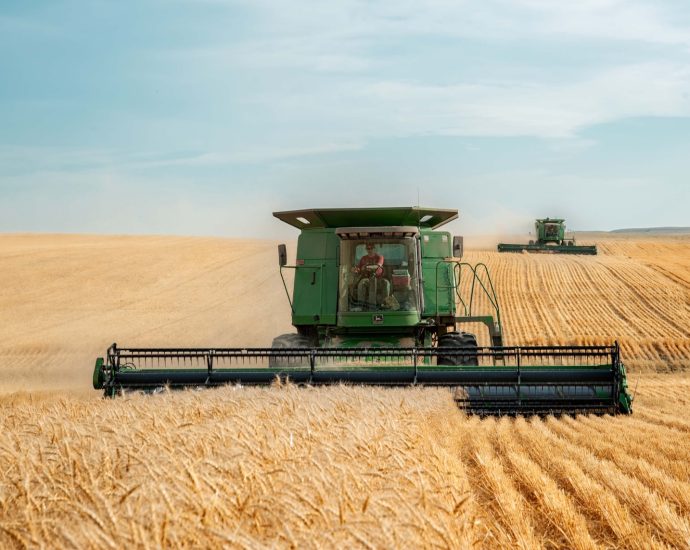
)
(318, 218)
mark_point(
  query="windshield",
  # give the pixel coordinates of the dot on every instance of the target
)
(551, 230)
(378, 275)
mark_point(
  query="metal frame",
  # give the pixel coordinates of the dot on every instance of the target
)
(494, 325)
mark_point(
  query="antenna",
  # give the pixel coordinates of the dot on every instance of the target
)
(419, 222)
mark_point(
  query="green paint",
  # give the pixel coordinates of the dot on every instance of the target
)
(98, 376)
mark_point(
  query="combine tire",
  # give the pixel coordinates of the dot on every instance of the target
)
(458, 341)
(285, 341)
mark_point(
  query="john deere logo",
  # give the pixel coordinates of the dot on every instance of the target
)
(377, 318)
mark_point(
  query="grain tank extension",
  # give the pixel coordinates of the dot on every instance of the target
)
(381, 297)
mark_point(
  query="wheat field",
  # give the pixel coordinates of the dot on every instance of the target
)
(285, 467)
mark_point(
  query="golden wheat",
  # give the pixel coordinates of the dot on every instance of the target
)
(636, 291)
(343, 466)
(286, 466)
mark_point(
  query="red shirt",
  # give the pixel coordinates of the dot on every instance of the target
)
(371, 260)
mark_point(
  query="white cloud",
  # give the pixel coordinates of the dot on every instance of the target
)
(335, 120)
(495, 108)
(607, 19)
(62, 160)
(338, 36)
(340, 22)
(366, 100)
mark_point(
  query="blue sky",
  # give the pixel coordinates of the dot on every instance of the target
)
(203, 117)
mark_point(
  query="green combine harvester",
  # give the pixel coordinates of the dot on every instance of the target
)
(551, 238)
(379, 296)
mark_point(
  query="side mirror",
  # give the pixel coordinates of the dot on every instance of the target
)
(457, 247)
(282, 255)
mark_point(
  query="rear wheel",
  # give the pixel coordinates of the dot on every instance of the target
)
(458, 341)
(287, 341)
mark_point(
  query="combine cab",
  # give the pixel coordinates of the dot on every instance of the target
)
(380, 296)
(551, 238)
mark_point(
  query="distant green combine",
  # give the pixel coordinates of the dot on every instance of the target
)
(551, 238)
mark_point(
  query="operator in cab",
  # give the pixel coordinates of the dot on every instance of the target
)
(372, 287)
(371, 258)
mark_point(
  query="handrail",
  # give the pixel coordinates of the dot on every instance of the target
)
(490, 292)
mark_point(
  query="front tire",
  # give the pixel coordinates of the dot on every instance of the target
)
(458, 341)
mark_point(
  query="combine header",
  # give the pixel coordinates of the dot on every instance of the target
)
(378, 297)
(551, 238)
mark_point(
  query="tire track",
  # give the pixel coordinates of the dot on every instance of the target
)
(556, 507)
(611, 518)
(645, 504)
(496, 491)
(673, 490)
(648, 440)
(662, 319)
